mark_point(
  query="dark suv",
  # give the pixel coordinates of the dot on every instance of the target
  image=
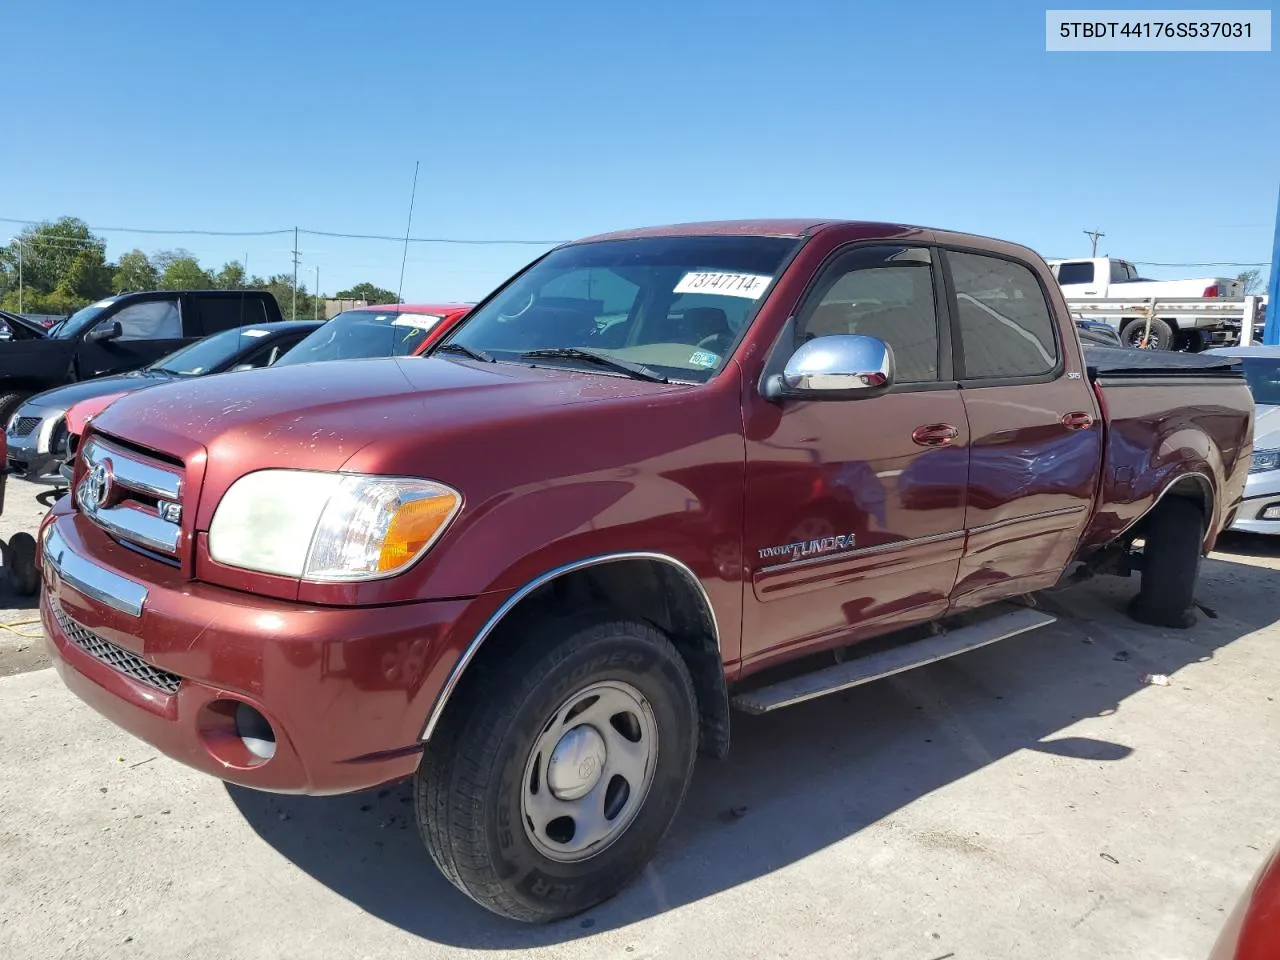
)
(120, 334)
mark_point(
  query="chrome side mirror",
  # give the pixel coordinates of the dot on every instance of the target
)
(838, 367)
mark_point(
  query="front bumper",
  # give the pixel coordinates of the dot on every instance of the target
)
(30, 456)
(345, 690)
(1261, 491)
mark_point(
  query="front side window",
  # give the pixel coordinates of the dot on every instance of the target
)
(1006, 328)
(152, 320)
(1071, 273)
(362, 334)
(672, 305)
(882, 292)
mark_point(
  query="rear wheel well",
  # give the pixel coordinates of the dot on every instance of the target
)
(1194, 487)
(660, 592)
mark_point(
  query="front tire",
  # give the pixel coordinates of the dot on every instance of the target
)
(24, 578)
(555, 785)
(1170, 565)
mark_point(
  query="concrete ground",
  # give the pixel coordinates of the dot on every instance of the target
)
(1035, 798)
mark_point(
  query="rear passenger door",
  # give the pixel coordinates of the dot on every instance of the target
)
(213, 314)
(1035, 444)
(149, 330)
(854, 510)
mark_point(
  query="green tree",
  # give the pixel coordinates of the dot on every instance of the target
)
(180, 270)
(369, 292)
(62, 253)
(87, 277)
(1251, 281)
(135, 271)
(231, 276)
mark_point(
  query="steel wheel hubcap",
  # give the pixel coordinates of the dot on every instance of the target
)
(589, 771)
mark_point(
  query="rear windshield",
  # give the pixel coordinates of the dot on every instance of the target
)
(359, 334)
(675, 305)
(1263, 375)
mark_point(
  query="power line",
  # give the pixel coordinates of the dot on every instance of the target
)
(314, 233)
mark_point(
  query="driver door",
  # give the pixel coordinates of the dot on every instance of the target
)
(149, 329)
(855, 509)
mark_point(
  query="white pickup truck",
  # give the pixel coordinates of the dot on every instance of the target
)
(1153, 314)
(1109, 278)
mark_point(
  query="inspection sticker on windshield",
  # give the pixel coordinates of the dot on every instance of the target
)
(704, 358)
(256, 333)
(422, 321)
(748, 285)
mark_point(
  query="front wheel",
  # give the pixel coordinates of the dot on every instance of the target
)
(555, 787)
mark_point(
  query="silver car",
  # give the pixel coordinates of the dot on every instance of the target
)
(1260, 510)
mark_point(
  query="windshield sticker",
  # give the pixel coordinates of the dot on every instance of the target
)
(422, 321)
(748, 285)
(104, 303)
(256, 333)
(704, 358)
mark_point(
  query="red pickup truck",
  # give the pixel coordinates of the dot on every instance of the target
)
(657, 475)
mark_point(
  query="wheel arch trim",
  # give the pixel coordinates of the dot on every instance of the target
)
(513, 601)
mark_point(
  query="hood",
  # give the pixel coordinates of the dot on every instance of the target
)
(317, 416)
(62, 398)
(33, 328)
(79, 414)
(1266, 427)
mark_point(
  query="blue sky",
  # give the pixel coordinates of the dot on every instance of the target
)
(558, 119)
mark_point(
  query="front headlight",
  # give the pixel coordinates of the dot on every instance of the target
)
(1264, 460)
(329, 526)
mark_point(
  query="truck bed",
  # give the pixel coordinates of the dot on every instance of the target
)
(1170, 418)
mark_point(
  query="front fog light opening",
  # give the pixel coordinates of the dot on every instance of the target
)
(1271, 512)
(255, 732)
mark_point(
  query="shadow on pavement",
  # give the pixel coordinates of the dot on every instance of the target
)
(804, 778)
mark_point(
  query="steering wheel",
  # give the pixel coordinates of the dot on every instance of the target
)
(521, 312)
(706, 343)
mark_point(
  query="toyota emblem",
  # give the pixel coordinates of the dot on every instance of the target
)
(95, 489)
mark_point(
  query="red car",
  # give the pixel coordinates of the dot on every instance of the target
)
(536, 569)
(403, 329)
(1252, 932)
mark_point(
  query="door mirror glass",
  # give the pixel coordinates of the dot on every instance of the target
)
(836, 367)
(106, 330)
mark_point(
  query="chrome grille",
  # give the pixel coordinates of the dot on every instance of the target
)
(117, 658)
(135, 500)
(23, 426)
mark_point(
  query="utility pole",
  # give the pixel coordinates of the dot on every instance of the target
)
(293, 313)
(316, 299)
(18, 241)
(1271, 335)
(1094, 235)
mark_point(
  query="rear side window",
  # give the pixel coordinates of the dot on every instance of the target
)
(1075, 273)
(151, 320)
(222, 313)
(1121, 272)
(1006, 329)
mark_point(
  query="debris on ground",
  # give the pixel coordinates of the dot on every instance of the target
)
(1155, 679)
(1122, 656)
(1109, 858)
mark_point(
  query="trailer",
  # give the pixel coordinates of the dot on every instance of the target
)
(1195, 324)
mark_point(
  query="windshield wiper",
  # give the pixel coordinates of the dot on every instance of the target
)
(637, 371)
(454, 347)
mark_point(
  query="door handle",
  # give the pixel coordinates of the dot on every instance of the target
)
(1077, 421)
(934, 434)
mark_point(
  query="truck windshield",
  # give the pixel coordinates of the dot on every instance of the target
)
(360, 334)
(1263, 374)
(675, 306)
(79, 321)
